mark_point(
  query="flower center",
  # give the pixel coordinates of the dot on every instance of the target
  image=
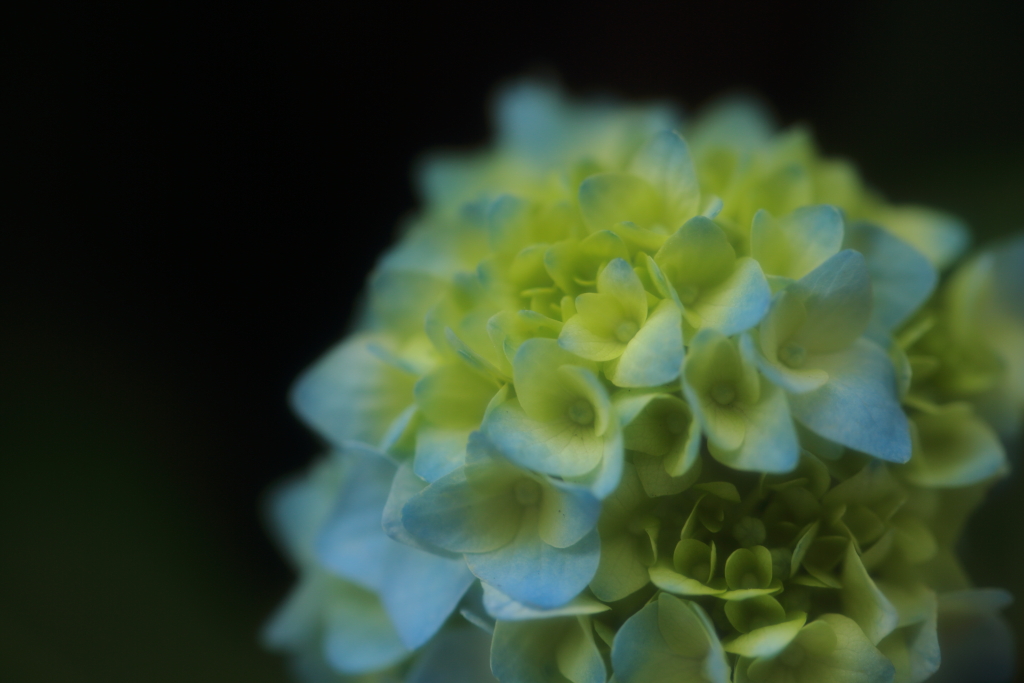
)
(581, 412)
(626, 331)
(687, 294)
(793, 655)
(723, 393)
(677, 423)
(793, 355)
(749, 531)
(527, 492)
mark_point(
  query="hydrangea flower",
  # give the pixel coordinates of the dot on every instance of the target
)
(653, 401)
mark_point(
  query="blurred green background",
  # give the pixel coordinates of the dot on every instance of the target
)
(180, 244)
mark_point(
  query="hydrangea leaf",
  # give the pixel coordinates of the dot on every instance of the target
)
(667, 641)
(530, 571)
(504, 608)
(351, 394)
(665, 163)
(953, 448)
(858, 406)
(831, 648)
(653, 356)
(549, 651)
(902, 278)
(796, 244)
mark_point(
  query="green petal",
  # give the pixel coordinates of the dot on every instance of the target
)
(902, 278)
(939, 236)
(539, 390)
(666, 578)
(770, 442)
(697, 255)
(546, 652)
(620, 281)
(654, 356)
(454, 395)
(607, 199)
(622, 570)
(953, 448)
(737, 303)
(665, 163)
(767, 641)
(864, 602)
(668, 641)
(796, 244)
(351, 394)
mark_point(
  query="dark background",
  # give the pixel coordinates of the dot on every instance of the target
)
(198, 196)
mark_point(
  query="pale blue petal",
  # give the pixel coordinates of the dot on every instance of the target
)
(352, 542)
(358, 636)
(404, 486)
(530, 571)
(940, 236)
(567, 513)
(839, 305)
(858, 406)
(770, 443)
(459, 654)
(439, 451)
(738, 303)
(420, 590)
(455, 515)
(665, 163)
(655, 354)
(297, 620)
(502, 607)
(351, 394)
(902, 278)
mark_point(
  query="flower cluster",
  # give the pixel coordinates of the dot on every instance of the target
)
(667, 407)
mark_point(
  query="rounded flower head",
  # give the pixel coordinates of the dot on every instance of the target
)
(656, 401)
